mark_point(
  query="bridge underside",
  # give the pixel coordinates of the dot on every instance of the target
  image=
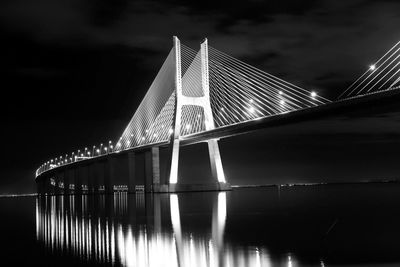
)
(141, 170)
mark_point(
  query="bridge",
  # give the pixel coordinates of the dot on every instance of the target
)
(202, 96)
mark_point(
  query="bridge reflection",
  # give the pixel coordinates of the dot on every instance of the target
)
(142, 230)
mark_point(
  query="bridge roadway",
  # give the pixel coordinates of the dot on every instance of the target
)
(152, 155)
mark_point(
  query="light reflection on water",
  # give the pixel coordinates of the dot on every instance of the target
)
(304, 226)
(139, 230)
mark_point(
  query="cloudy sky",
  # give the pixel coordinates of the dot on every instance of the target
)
(74, 71)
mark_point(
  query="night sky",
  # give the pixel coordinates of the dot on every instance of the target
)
(73, 73)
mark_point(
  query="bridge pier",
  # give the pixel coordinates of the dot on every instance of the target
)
(93, 182)
(109, 174)
(152, 170)
(131, 172)
(66, 181)
(78, 182)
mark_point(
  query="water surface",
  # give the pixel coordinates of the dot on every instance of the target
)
(325, 225)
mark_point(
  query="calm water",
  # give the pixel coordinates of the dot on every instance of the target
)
(330, 225)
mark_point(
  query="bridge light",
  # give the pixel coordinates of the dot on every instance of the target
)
(187, 126)
(251, 110)
(143, 138)
(280, 92)
(81, 154)
(313, 94)
(129, 142)
(111, 146)
(251, 100)
(88, 153)
(372, 67)
(282, 102)
(198, 115)
(98, 150)
(118, 144)
(222, 109)
(105, 149)
(155, 135)
(147, 131)
(170, 131)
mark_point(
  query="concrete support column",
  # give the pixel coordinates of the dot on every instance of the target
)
(57, 188)
(131, 172)
(109, 175)
(152, 170)
(93, 181)
(66, 177)
(78, 181)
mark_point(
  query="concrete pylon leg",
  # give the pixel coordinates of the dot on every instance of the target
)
(217, 170)
(173, 177)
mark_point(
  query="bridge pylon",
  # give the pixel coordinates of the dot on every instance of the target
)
(203, 101)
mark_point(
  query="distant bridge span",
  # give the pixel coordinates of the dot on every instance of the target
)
(199, 97)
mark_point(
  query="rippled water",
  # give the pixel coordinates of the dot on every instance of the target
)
(327, 225)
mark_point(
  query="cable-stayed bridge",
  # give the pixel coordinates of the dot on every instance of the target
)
(201, 96)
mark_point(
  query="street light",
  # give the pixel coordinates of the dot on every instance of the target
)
(372, 67)
(313, 94)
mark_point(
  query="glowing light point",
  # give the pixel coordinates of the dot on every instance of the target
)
(251, 100)
(251, 110)
(187, 126)
(313, 94)
(280, 92)
(372, 67)
(170, 131)
(98, 150)
(282, 102)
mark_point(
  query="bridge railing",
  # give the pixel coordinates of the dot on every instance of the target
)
(78, 155)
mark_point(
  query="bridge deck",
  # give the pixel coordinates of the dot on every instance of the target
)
(331, 109)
